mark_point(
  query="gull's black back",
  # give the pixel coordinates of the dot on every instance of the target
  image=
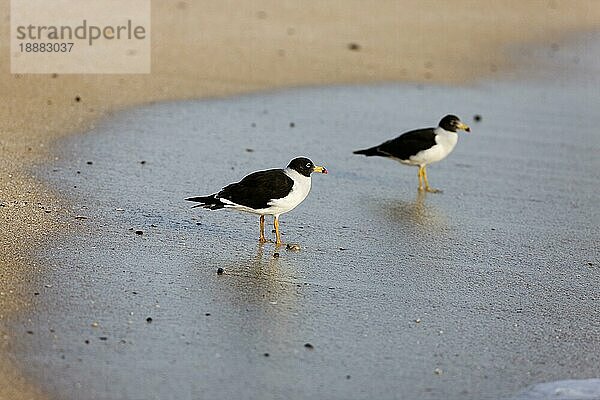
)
(404, 146)
(258, 189)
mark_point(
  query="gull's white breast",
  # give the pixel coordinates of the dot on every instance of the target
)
(299, 192)
(445, 142)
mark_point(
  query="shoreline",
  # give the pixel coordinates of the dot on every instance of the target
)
(307, 46)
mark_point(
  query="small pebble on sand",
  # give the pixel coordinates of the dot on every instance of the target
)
(309, 346)
(220, 271)
(293, 247)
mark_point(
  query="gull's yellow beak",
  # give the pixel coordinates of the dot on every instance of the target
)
(318, 168)
(464, 127)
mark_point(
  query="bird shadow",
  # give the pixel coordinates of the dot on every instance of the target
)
(418, 213)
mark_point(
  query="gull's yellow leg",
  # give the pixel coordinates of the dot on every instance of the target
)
(262, 230)
(420, 174)
(276, 224)
(427, 187)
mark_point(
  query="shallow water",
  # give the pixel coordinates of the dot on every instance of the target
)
(501, 270)
(582, 389)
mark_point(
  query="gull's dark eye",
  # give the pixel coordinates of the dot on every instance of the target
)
(308, 165)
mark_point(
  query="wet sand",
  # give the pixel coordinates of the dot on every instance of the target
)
(475, 293)
(263, 45)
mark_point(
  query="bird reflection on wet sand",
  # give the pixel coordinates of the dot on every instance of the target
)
(261, 278)
(260, 302)
(417, 213)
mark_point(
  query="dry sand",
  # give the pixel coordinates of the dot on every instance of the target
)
(215, 48)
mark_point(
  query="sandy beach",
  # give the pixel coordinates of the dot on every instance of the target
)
(219, 48)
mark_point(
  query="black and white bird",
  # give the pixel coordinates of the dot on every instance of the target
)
(421, 147)
(270, 192)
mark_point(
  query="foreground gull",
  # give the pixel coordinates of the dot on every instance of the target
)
(421, 147)
(270, 192)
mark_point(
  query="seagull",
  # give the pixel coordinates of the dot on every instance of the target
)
(421, 147)
(269, 192)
